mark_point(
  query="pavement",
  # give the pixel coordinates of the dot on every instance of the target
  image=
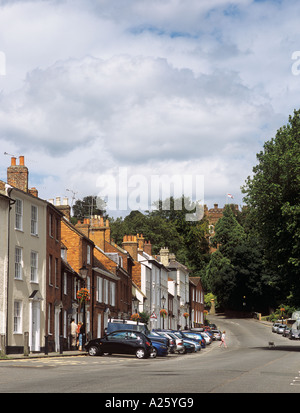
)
(42, 355)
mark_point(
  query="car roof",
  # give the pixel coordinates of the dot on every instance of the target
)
(127, 331)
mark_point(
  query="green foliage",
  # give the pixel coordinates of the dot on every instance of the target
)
(166, 226)
(88, 206)
(235, 273)
(145, 317)
(273, 199)
(207, 300)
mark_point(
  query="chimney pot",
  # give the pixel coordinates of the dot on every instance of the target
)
(21, 160)
(13, 161)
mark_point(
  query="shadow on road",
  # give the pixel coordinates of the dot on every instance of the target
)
(278, 348)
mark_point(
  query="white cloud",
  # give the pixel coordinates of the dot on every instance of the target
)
(92, 86)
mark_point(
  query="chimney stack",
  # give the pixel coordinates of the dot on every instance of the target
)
(64, 207)
(17, 175)
(148, 247)
(164, 256)
(130, 244)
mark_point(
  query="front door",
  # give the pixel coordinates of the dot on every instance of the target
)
(35, 326)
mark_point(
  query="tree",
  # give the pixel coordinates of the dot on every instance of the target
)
(236, 269)
(220, 278)
(90, 205)
(228, 232)
(272, 196)
(166, 226)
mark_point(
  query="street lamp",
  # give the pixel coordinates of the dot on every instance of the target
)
(135, 301)
(83, 271)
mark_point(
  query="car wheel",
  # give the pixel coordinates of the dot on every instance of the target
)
(140, 353)
(93, 351)
(154, 353)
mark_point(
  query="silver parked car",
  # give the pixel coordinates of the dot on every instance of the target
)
(179, 346)
(216, 334)
(281, 328)
(275, 326)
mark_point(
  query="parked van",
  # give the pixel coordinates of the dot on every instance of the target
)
(117, 324)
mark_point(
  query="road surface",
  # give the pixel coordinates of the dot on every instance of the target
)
(248, 365)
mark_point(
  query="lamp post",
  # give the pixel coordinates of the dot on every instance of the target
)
(136, 302)
(163, 301)
(83, 271)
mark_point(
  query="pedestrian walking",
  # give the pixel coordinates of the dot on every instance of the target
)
(73, 333)
(223, 336)
(80, 331)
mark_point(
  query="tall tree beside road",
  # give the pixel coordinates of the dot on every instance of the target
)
(272, 195)
(235, 273)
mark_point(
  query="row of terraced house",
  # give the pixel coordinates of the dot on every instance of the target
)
(45, 260)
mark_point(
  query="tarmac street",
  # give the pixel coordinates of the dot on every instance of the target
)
(247, 365)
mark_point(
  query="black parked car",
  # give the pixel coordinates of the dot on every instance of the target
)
(121, 342)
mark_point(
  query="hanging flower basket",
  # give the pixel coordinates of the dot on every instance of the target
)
(185, 315)
(135, 317)
(83, 295)
(163, 313)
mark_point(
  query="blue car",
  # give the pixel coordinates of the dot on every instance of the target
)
(195, 336)
(189, 347)
(159, 349)
(196, 343)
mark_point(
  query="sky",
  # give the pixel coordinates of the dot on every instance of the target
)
(109, 97)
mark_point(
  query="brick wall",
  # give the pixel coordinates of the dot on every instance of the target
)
(17, 175)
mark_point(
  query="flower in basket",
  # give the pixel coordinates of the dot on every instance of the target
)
(83, 295)
(163, 312)
(135, 317)
(185, 315)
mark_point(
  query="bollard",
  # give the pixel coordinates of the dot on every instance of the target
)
(46, 345)
(61, 344)
(2, 345)
(26, 343)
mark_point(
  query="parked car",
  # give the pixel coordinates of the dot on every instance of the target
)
(159, 349)
(154, 336)
(286, 331)
(280, 328)
(294, 334)
(275, 326)
(206, 337)
(210, 334)
(188, 340)
(195, 336)
(178, 344)
(121, 342)
(216, 334)
(189, 347)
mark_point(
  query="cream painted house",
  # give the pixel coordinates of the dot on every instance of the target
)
(27, 272)
(4, 231)
(23, 221)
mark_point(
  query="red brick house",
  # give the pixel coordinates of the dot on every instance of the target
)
(80, 251)
(116, 260)
(53, 328)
